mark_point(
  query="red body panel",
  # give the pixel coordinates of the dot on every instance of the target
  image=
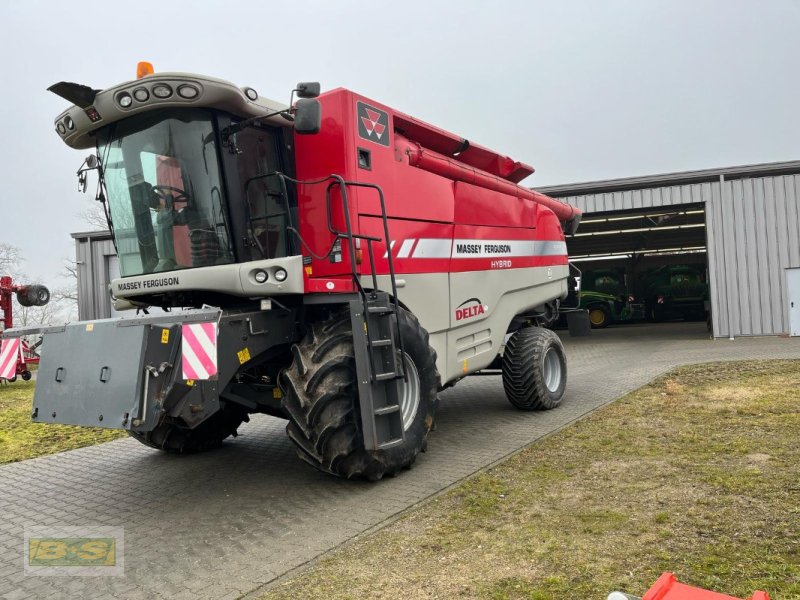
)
(443, 191)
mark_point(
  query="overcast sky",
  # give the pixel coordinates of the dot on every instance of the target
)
(581, 90)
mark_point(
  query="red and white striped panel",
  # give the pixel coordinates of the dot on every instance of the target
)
(199, 350)
(9, 352)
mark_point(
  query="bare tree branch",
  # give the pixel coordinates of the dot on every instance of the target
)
(10, 260)
(94, 217)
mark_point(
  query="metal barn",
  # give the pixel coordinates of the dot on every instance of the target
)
(742, 223)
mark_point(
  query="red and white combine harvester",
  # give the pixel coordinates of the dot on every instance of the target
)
(15, 353)
(333, 262)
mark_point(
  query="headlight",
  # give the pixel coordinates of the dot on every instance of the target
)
(281, 275)
(141, 94)
(124, 100)
(188, 91)
(162, 91)
(260, 276)
(69, 123)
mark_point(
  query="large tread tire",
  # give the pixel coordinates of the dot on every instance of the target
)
(173, 438)
(525, 374)
(321, 401)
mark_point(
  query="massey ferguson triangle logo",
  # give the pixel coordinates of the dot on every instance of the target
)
(470, 308)
(373, 124)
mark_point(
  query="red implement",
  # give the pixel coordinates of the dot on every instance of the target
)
(667, 587)
(25, 354)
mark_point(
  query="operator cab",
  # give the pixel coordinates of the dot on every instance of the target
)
(189, 180)
(168, 188)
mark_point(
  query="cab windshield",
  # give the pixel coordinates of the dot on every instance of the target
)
(165, 193)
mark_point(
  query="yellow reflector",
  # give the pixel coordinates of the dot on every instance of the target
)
(144, 68)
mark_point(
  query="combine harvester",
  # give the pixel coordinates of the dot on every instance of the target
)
(16, 354)
(334, 262)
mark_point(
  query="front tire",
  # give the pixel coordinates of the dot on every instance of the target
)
(321, 400)
(173, 438)
(599, 316)
(534, 369)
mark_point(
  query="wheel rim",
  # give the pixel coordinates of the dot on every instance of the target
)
(409, 390)
(551, 369)
(596, 316)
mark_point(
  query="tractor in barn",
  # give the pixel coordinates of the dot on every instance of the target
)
(676, 292)
(605, 295)
(333, 262)
(17, 354)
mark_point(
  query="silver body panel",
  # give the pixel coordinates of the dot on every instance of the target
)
(236, 279)
(468, 344)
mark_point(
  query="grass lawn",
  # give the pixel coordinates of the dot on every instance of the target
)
(21, 439)
(697, 473)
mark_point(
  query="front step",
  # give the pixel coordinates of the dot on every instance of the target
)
(379, 370)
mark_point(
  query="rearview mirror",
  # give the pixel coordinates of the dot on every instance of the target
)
(91, 163)
(307, 116)
(307, 89)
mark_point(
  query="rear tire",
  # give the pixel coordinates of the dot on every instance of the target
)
(321, 400)
(176, 439)
(534, 369)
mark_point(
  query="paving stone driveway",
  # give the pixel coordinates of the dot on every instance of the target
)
(223, 524)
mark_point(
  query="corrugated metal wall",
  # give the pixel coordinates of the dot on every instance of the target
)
(753, 236)
(92, 252)
(756, 238)
(644, 198)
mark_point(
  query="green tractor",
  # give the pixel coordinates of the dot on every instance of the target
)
(605, 309)
(604, 295)
(676, 292)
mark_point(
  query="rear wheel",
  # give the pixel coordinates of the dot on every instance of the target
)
(321, 400)
(599, 316)
(534, 369)
(176, 439)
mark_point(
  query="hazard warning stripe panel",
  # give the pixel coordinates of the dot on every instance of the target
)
(9, 353)
(199, 351)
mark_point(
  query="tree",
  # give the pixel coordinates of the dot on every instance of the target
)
(10, 259)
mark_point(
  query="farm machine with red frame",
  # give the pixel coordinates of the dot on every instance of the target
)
(16, 354)
(333, 262)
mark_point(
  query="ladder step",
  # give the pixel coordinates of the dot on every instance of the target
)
(387, 410)
(385, 376)
(379, 310)
(381, 343)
